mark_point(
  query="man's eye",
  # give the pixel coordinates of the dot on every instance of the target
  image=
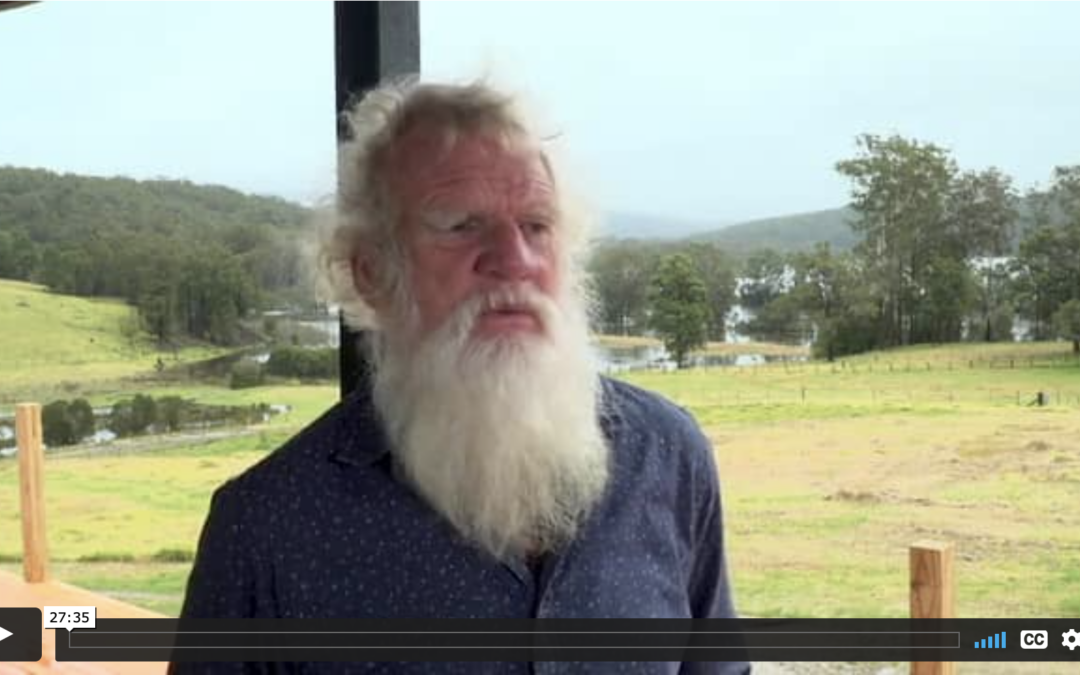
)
(537, 226)
(455, 225)
(464, 225)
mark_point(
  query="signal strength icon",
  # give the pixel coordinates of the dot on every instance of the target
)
(996, 641)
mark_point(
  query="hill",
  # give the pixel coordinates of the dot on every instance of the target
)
(194, 259)
(801, 231)
(51, 341)
(50, 206)
(624, 225)
(85, 235)
(42, 328)
(796, 232)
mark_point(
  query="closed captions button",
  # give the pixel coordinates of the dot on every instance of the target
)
(1034, 639)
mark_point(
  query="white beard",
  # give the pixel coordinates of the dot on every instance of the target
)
(500, 435)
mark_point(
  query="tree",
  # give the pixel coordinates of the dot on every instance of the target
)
(173, 412)
(900, 195)
(831, 289)
(18, 254)
(192, 259)
(718, 274)
(1041, 283)
(57, 426)
(1047, 267)
(620, 273)
(82, 418)
(1067, 323)
(764, 278)
(679, 306)
(144, 413)
(782, 320)
(947, 295)
(982, 215)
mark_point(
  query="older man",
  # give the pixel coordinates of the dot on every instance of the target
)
(488, 471)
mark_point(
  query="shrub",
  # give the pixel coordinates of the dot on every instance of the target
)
(245, 374)
(173, 555)
(173, 412)
(106, 556)
(66, 423)
(303, 363)
(82, 417)
(144, 413)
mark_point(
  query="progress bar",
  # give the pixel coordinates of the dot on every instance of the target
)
(557, 640)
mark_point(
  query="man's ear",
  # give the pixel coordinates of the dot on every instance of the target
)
(366, 278)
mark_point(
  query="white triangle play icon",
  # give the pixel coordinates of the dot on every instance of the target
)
(4, 633)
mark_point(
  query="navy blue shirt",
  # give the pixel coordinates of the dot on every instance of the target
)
(321, 528)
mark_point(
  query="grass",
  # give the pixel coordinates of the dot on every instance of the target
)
(59, 346)
(126, 525)
(825, 495)
(158, 587)
(830, 473)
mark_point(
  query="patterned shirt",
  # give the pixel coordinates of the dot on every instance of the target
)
(322, 528)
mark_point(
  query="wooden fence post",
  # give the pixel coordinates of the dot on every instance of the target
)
(32, 491)
(933, 594)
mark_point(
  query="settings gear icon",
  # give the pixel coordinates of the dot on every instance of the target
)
(1070, 639)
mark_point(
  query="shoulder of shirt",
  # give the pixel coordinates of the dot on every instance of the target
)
(637, 407)
(347, 433)
(653, 429)
(643, 412)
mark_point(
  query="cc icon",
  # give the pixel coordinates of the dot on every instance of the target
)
(1034, 639)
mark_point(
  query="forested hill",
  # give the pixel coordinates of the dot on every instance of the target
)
(803, 231)
(798, 232)
(194, 259)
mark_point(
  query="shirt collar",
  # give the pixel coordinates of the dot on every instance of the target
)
(360, 438)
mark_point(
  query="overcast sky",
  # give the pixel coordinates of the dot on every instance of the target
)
(718, 112)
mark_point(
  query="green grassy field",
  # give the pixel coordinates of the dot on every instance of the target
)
(124, 519)
(126, 524)
(54, 346)
(823, 497)
(830, 471)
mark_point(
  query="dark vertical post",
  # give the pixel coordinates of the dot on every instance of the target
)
(372, 41)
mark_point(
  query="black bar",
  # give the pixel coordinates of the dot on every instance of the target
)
(454, 640)
(559, 640)
(372, 41)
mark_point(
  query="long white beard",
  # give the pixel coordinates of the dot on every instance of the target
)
(500, 435)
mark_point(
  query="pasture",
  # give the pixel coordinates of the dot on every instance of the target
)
(829, 472)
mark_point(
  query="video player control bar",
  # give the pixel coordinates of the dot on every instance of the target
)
(555, 640)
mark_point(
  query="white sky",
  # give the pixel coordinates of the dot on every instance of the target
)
(721, 111)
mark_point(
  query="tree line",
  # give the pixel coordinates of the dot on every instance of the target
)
(71, 422)
(941, 255)
(194, 260)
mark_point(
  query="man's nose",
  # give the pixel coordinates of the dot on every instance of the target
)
(508, 253)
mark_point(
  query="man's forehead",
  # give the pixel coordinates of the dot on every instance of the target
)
(423, 159)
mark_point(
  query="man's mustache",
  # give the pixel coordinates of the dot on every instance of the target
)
(513, 298)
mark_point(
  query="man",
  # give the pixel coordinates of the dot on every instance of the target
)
(487, 471)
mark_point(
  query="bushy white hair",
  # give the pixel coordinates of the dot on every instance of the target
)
(365, 213)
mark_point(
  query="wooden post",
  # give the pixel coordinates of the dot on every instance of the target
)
(32, 491)
(933, 594)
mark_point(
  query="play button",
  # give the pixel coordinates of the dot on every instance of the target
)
(20, 634)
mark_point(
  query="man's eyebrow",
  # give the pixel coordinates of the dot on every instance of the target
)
(441, 216)
(542, 207)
